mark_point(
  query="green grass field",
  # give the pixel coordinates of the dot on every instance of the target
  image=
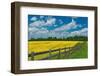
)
(78, 53)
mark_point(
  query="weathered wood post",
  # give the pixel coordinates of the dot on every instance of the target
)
(69, 52)
(65, 49)
(50, 54)
(59, 53)
(32, 55)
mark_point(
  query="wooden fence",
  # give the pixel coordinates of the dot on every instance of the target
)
(66, 51)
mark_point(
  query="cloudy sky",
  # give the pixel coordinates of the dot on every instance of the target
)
(43, 26)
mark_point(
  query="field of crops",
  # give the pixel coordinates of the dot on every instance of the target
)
(45, 46)
(41, 46)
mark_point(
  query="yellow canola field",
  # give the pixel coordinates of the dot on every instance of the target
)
(41, 46)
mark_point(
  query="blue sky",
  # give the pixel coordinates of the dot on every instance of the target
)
(44, 26)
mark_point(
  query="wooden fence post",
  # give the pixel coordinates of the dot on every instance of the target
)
(65, 52)
(50, 54)
(32, 55)
(69, 52)
(59, 54)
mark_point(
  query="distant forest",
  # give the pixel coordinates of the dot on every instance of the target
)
(74, 38)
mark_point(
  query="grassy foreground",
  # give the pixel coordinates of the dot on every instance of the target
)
(78, 53)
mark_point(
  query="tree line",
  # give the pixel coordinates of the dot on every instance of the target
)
(74, 38)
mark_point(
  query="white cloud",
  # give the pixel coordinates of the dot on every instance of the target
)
(40, 23)
(35, 29)
(33, 18)
(31, 29)
(82, 32)
(35, 32)
(37, 23)
(50, 21)
(71, 25)
(44, 33)
(58, 34)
